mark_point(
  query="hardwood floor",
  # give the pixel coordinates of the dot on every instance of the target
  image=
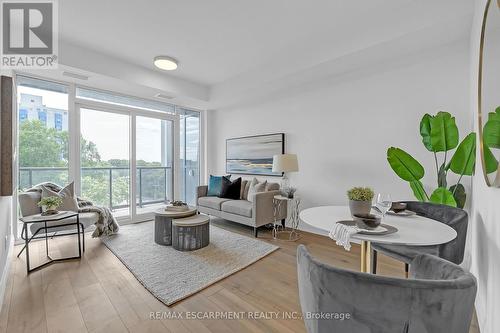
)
(98, 294)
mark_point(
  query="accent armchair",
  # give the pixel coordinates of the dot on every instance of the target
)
(452, 251)
(438, 298)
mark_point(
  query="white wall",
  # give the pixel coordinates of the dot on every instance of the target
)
(341, 128)
(485, 216)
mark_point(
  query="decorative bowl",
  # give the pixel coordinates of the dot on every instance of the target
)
(398, 207)
(367, 221)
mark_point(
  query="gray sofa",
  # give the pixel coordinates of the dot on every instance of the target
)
(255, 214)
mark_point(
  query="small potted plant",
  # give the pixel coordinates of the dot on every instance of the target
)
(49, 205)
(360, 200)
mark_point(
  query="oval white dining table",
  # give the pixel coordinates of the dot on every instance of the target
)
(412, 230)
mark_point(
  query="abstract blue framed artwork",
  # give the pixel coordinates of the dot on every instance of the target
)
(253, 155)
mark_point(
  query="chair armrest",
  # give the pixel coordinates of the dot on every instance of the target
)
(201, 191)
(263, 208)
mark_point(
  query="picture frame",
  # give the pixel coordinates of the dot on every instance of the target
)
(253, 155)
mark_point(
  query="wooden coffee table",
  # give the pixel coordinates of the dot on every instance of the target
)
(163, 224)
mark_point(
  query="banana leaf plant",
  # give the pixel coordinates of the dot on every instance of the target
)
(439, 136)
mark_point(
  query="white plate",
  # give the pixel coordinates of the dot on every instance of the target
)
(403, 213)
(377, 230)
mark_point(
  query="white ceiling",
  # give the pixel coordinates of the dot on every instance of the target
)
(226, 43)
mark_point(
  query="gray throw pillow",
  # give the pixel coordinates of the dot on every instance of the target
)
(67, 194)
(256, 187)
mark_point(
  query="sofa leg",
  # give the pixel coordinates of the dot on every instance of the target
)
(407, 269)
(255, 231)
(283, 223)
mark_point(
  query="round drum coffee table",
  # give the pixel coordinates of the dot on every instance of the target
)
(191, 233)
(163, 224)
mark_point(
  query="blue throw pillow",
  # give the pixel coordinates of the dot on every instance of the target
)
(215, 185)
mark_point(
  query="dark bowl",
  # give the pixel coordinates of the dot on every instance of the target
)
(368, 221)
(398, 207)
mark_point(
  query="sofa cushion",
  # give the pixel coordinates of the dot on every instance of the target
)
(211, 202)
(242, 189)
(215, 185)
(256, 187)
(28, 203)
(231, 189)
(272, 187)
(238, 207)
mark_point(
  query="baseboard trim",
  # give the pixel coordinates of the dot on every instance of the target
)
(5, 274)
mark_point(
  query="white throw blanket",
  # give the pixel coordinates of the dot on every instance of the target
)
(342, 233)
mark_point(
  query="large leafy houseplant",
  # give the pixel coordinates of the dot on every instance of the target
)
(439, 136)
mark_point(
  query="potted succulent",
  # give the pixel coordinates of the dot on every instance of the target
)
(49, 205)
(360, 200)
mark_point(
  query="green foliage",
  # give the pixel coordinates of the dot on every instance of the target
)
(425, 131)
(444, 132)
(405, 166)
(439, 134)
(418, 190)
(464, 159)
(50, 202)
(490, 160)
(459, 194)
(443, 196)
(360, 194)
(40, 146)
(491, 130)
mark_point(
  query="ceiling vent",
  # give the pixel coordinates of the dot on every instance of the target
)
(75, 76)
(163, 96)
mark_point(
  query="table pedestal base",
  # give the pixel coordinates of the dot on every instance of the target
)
(366, 251)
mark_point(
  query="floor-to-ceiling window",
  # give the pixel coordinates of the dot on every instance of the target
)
(43, 132)
(104, 159)
(190, 154)
(118, 149)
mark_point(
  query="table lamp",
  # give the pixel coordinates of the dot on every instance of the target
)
(285, 163)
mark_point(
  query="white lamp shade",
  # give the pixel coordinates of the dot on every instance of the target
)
(285, 163)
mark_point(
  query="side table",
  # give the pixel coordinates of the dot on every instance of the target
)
(163, 224)
(279, 232)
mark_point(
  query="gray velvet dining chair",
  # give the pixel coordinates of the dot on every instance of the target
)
(439, 297)
(452, 251)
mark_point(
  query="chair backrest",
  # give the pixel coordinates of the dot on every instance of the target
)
(438, 298)
(454, 217)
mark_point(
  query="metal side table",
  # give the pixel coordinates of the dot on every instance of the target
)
(280, 232)
(44, 220)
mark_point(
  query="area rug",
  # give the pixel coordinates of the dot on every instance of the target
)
(172, 275)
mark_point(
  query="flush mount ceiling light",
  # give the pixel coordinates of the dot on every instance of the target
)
(166, 63)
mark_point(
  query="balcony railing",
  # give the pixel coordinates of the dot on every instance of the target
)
(108, 186)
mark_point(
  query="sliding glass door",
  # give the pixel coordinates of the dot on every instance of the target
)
(105, 159)
(116, 144)
(154, 157)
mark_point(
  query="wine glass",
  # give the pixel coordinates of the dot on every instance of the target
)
(384, 203)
